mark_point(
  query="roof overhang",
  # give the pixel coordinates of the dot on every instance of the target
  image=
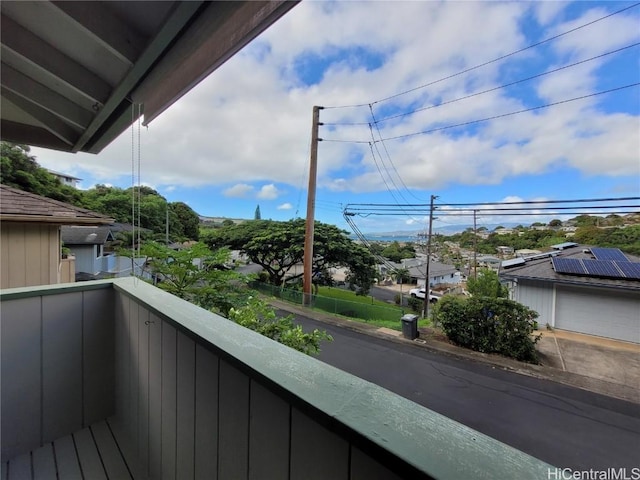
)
(56, 219)
(74, 73)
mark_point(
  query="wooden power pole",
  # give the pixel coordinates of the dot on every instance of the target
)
(427, 286)
(311, 205)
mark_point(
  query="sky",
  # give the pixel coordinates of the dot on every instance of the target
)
(419, 100)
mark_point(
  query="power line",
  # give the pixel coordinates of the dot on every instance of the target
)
(502, 57)
(522, 202)
(483, 213)
(494, 117)
(522, 80)
(387, 152)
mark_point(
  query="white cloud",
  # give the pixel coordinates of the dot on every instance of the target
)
(285, 206)
(241, 190)
(249, 123)
(268, 192)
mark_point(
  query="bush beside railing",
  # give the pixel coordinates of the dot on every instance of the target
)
(332, 305)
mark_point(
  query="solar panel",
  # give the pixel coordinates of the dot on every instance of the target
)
(568, 265)
(631, 270)
(613, 254)
(562, 246)
(513, 262)
(602, 268)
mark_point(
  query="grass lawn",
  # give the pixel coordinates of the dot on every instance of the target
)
(348, 295)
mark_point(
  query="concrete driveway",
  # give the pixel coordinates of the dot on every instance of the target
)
(600, 358)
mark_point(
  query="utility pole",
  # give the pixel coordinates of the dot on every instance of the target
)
(311, 205)
(475, 246)
(167, 226)
(427, 286)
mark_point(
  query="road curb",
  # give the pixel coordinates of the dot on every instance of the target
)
(595, 385)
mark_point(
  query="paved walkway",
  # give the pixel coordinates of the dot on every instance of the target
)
(600, 365)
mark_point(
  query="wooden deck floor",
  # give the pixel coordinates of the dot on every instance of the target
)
(89, 454)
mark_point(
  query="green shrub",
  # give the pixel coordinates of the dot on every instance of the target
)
(416, 304)
(490, 325)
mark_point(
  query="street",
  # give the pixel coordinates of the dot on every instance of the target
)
(564, 426)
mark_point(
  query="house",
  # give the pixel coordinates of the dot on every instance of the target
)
(30, 231)
(87, 245)
(504, 250)
(65, 179)
(582, 289)
(118, 379)
(439, 273)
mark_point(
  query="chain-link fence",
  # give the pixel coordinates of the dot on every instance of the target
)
(336, 306)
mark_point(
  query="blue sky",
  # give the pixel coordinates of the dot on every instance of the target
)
(241, 138)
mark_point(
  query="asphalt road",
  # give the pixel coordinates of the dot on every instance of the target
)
(564, 426)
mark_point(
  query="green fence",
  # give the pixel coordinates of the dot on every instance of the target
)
(336, 306)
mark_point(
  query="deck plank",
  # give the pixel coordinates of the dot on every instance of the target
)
(20, 467)
(67, 459)
(44, 465)
(113, 462)
(88, 455)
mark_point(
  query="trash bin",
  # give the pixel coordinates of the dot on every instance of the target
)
(410, 326)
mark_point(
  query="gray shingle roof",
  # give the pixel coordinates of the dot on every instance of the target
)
(19, 206)
(542, 269)
(75, 235)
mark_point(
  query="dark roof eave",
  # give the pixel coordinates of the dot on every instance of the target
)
(58, 220)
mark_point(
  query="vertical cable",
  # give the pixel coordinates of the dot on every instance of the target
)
(139, 185)
(133, 192)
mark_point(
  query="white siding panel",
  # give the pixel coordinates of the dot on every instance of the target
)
(538, 296)
(605, 313)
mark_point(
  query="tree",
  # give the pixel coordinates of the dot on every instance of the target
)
(278, 246)
(257, 215)
(487, 284)
(214, 287)
(21, 170)
(184, 221)
(490, 325)
(555, 223)
(196, 274)
(395, 252)
(261, 318)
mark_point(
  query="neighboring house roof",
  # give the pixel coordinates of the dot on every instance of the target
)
(19, 206)
(76, 235)
(436, 269)
(63, 175)
(126, 227)
(542, 269)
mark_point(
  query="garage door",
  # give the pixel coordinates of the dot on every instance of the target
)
(605, 313)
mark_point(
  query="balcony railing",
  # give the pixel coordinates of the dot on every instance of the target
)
(182, 393)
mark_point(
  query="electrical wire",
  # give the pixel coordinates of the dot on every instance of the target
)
(486, 119)
(476, 94)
